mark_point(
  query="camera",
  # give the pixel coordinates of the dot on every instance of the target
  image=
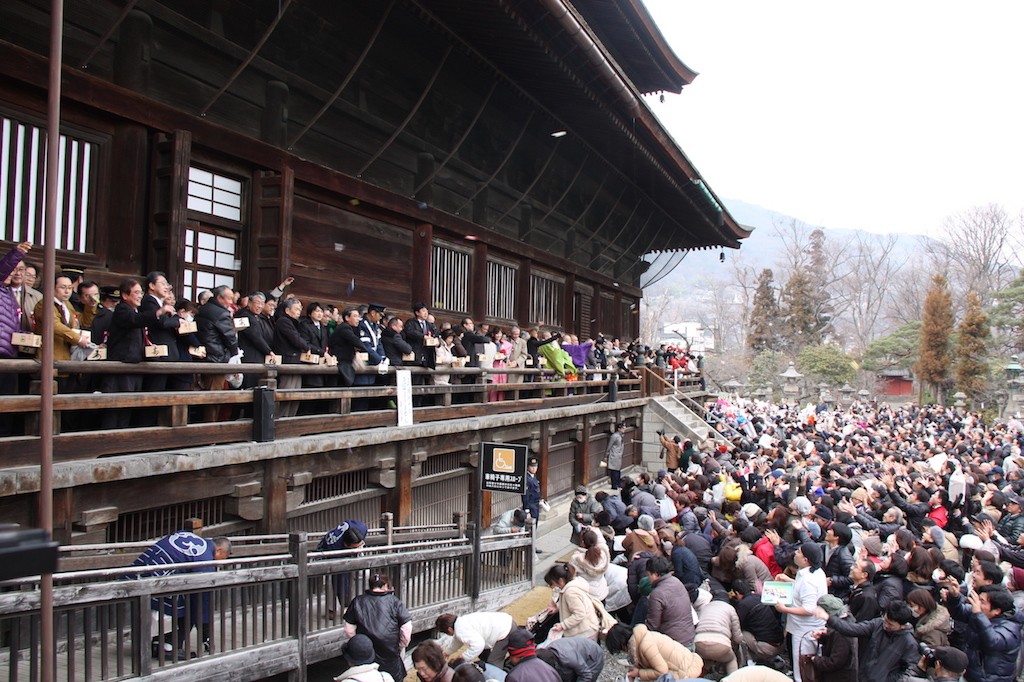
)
(660, 433)
(928, 653)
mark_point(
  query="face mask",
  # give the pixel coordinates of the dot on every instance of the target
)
(938, 575)
(581, 498)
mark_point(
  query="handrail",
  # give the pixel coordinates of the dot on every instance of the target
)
(257, 619)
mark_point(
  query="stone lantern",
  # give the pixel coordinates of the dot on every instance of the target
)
(846, 394)
(791, 383)
(960, 397)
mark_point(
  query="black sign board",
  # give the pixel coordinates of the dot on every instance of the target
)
(503, 467)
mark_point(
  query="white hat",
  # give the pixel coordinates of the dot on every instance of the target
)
(750, 510)
(968, 541)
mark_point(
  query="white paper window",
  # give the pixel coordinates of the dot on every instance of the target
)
(214, 194)
(23, 186)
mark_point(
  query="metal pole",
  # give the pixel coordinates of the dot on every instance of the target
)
(46, 642)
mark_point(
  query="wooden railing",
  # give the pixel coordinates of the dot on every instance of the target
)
(525, 389)
(269, 613)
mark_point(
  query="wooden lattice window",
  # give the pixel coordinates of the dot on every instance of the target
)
(150, 524)
(502, 280)
(211, 259)
(449, 277)
(546, 299)
(23, 185)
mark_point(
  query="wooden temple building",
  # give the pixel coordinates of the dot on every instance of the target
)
(492, 158)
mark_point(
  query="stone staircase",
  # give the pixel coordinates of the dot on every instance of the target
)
(670, 413)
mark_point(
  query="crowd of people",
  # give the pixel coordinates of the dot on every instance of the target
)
(144, 320)
(871, 543)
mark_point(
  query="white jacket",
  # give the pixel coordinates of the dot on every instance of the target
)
(479, 631)
(364, 673)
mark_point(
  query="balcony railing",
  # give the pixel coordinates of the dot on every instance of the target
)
(209, 417)
(269, 611)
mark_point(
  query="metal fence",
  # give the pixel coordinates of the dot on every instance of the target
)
(254, 616)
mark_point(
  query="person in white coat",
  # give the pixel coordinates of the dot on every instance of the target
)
(811, 585)
(484, 633)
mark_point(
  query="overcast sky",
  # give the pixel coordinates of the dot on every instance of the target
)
(885, 116)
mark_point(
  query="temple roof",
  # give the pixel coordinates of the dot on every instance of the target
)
(554, 52)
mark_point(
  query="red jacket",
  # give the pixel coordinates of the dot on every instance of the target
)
(765, 551)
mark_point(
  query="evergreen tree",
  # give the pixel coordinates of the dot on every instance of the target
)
(936, 327)
(971, 351)
(1007, 319)
(896, 350)
(798, 303)
(822, 270)
(764, 315)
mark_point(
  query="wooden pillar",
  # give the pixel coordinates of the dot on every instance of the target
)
(581, 465)
(426, 166)
(422, 254)
(620, 330)
(485, 510)
(401, 494)
(523, 297)
(274, 122)
(480, 205)
(478, 286)
(174, 154)
(569, 322)
(597, 326)
(525, 222)
(275, 497)
(269, 243)
(62, 513)
(544, 458)
(133, 52)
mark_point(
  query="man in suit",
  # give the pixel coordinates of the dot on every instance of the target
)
(217, 332)
(163, 333)
(417, 329)
(257, 339)
(416, 332)
(126, 343)
(66, 329)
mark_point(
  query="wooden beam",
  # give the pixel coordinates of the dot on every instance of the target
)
(99, 94)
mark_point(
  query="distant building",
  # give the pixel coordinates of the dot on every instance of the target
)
(700, 338)
(895, 383)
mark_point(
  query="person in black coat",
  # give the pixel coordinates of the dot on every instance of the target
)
(840, 558)
(314, 331)
(837, 661)
(186, 311)
(760, 623)
(255, 341)
(345, 343)
(289, 344)
(395, 345)
(216, 328)
(416, 330)
(126, 343)
(163, 333)
(893, 649)
(863, 597)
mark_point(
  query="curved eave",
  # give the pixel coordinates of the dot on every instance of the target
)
(670, 62)
(630, 34)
